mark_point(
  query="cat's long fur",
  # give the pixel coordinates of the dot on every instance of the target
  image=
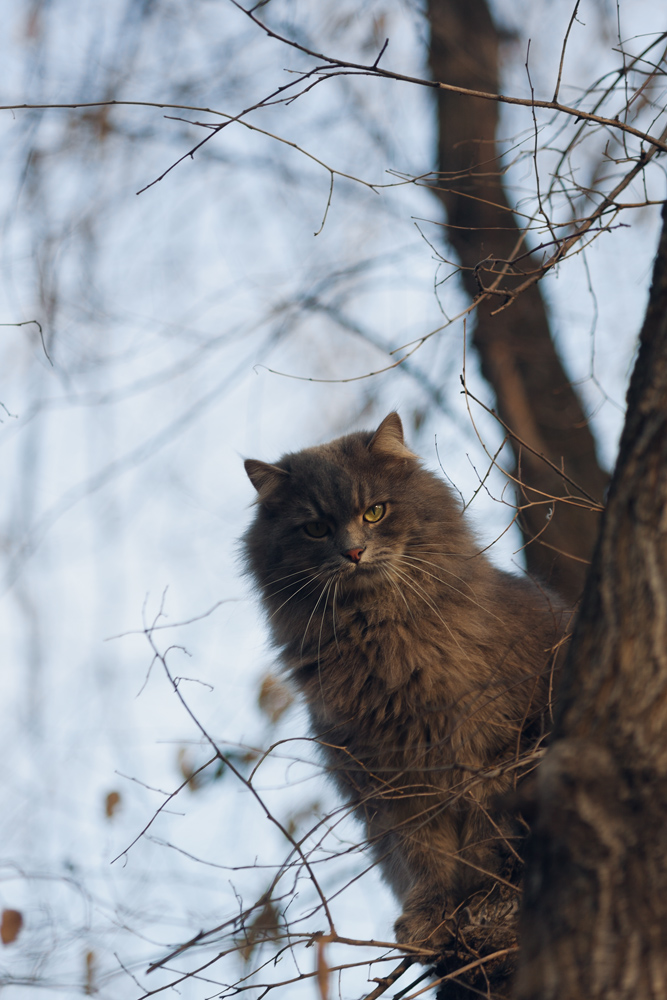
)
(425, 668)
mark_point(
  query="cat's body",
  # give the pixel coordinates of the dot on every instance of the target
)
(424, 668)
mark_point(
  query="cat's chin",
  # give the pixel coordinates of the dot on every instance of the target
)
(360, 578)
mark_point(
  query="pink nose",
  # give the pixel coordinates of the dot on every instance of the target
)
(354, 554)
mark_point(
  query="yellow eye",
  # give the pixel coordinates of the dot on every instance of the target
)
(375, 513)
(316, 529)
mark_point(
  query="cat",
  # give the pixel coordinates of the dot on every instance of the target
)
(426, 670)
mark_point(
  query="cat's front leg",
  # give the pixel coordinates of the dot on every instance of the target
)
(420, 861)
(433, 892)
(424, 922)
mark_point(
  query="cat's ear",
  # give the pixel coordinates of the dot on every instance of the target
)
(264, 477)
(388, 439)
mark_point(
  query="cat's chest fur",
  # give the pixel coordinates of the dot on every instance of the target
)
(383, 679)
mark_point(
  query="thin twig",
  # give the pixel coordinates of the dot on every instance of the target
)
(597, 505)
(347, 66)
(562, 52)
(384, 984)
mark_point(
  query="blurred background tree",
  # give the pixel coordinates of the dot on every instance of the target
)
(140, 355)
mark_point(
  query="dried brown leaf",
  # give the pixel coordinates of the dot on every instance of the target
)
(111, 804)
(323, 967)
(10, 926)
(263, 928)
(90, 986)
(188, 768)
(274, 697)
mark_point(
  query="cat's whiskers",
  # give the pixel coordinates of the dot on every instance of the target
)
(332, 579)
(385, 572)
(333, 613)
(309, 580)
(420, 592)
(438, 565)
(305, 575)
(279, 579)
(324, 590)
(333, 567)
(409, 559)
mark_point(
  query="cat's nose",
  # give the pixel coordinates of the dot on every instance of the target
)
(354, 554)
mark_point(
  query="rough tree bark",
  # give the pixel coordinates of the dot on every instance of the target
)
(594, 923)
(534, 397)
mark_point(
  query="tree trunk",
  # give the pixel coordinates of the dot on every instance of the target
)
(534, 396)
(594, 922)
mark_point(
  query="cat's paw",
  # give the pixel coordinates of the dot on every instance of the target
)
(424, 924)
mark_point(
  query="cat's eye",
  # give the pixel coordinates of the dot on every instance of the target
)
(316, 529)
(375, 513)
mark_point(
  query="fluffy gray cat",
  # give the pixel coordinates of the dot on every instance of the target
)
(425, 669)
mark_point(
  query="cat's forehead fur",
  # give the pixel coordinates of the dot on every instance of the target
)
(349, 454)
(350, 471)
(340, 473)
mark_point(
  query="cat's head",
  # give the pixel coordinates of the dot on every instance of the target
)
(345, 511)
